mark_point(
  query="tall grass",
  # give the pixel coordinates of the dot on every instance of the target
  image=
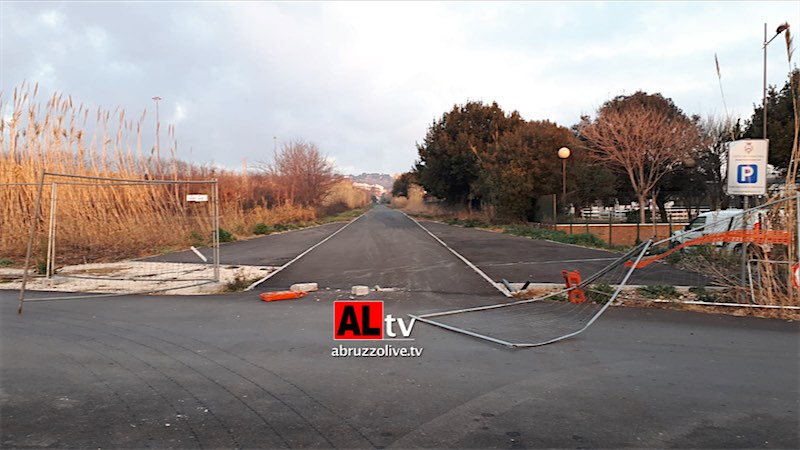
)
(110, 222)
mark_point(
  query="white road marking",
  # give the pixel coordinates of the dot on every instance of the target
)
(253, 286)
(497, 286)
(549, 262)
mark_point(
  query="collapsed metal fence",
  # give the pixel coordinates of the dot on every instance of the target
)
(749, 258)
(87, 235)
(546, 319)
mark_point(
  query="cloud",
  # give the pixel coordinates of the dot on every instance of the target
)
(364, 80)
(51, 18)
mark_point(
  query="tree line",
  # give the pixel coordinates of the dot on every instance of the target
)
(637, 147)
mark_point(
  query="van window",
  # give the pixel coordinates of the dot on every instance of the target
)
(697, 222)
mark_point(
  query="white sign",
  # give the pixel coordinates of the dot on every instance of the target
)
(796, 273)
(196, 197)
(747, 167)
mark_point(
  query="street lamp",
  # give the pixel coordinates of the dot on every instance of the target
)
(564, 153)
(781, 29)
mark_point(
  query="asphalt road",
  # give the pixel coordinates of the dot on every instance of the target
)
(230, 371)
(387, 249)
(520, 259)
(271, 250)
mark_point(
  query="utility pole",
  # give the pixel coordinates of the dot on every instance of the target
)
(778, 31)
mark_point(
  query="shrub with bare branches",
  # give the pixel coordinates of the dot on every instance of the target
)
(303, 175)
(646, 136)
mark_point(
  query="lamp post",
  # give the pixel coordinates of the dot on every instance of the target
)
(564, 153)
(781, 29)
(158, 140)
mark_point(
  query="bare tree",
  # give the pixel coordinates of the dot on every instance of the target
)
(711, 157)
(303, 175)
(646, 136)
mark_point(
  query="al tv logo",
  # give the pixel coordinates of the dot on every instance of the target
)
(364, 320)
(747, 173)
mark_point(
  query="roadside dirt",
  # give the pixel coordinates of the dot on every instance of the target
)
(138, 276)
(631, 298)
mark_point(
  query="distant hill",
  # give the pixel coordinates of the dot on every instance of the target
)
(382, 179)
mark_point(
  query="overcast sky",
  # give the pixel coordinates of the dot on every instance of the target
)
(365, 80)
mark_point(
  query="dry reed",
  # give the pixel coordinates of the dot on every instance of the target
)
(103, 222)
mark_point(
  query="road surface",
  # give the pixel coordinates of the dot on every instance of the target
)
(230, 371)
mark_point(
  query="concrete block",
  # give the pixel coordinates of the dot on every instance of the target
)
(304, 287)
(360, 290)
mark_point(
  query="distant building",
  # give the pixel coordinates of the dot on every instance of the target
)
(375, 189)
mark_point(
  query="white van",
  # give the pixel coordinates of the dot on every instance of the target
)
(715, 222)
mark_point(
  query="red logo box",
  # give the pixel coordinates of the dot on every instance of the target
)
(357, 320)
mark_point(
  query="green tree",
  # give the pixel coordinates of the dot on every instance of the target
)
(780, 122)
(400, 186)
(588, 182)
(523, 165)
(450, 155)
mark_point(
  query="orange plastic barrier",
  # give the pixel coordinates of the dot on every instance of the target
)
(756, 236)
(572, 280)
(281, 295)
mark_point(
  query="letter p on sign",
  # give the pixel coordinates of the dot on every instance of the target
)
(747, 173)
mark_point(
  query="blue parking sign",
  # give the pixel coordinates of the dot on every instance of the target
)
(747, 173)
(747, 167)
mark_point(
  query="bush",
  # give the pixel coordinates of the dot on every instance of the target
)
(659, 291)
(196, 239)
(41, 268)
(6, 262)
(704, 295)
(600, 294)
(468, 223)
(334, 208)
(226, 236)
(239, 282)
(584, 239)
(261, 228)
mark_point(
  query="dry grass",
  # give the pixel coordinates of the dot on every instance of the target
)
(785, 314)
(630, 297)
(344, 196)
(415, 205)
(103, 222)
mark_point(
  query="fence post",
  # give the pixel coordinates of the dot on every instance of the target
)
(669, 221)
(570, 223)
(797, 225)
(37, 214)
(744, 265)
(610, 225)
